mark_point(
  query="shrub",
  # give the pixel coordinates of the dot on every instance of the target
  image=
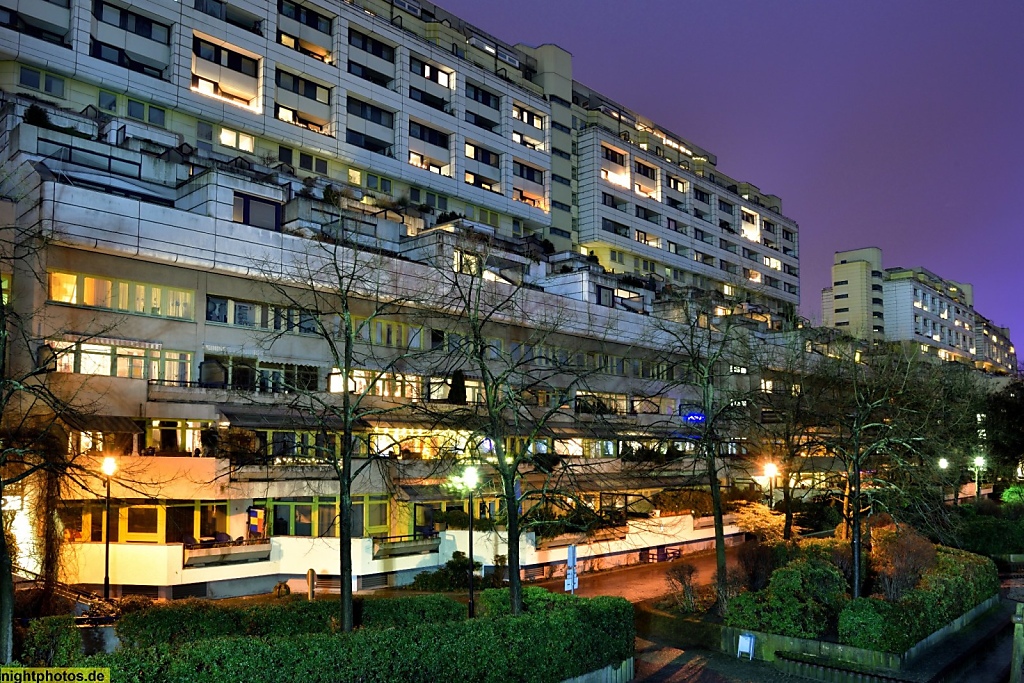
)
(544, 646)
(684, 501)
(957, 583)
(864, 623)
(133, 603)
(987, 535)
(454, 575)
(766, 525)
(494, 602)
(682, 579)
(411, 611)
(1013, 494)
(52, 641)
(802, 600)
(756, 559)
(899, 557)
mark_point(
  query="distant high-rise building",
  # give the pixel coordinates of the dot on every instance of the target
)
(913, 305)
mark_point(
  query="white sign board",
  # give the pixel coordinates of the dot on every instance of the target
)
(572, 579)
(746, 645)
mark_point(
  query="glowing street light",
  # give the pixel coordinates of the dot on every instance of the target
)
(979, 465)
(771, 471)
(469, 480)
(108, 468)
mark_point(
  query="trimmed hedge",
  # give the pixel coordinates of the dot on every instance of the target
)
(802, 600)
(544, 646)
(413, 610)
(187, 621)
(52, 641)
(959, 582)
(494, 602)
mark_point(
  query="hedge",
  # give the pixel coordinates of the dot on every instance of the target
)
(191, 620)
(494, 602)
(52, 641)
(543, 646)
(802, 600)
(959, 582)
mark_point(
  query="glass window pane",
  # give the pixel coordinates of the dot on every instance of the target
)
(64, 287)
(303, 520)
(142, 520)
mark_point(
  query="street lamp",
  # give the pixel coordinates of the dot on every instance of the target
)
(979, 465)
(109, 467)
(944, 465)
(470, 478)
(771, 471)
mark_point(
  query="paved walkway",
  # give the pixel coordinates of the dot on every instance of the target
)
(641, 582)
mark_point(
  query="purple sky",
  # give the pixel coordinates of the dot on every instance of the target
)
(889, 123)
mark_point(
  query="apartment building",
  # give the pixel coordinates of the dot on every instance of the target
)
(179, 158)
(913, 305)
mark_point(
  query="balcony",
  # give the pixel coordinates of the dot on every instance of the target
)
(209, 553)
(400, 546)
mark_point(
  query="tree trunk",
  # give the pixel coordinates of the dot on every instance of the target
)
(51, 539)
(855, 530)
(515, 582)
(787, 502)
(716, 504)
(6, 600)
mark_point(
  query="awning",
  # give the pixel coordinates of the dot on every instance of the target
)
(107, 424)
(264, 417)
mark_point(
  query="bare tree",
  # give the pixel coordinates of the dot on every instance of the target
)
(345, 289)
(708, 339)
(887, 415)
(789, 431)
(501, 372)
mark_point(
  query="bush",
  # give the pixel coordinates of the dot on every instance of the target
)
(803, 600)
(899, 557)
(549, 645)
(987, 535)
(52, 641)
(864, 623)
(411, 611)
(175, 624)
(684, 501)
(454, 575)
(957, 583)
(133, 603)
(682, 579)
(1013, 494)
(494, 602)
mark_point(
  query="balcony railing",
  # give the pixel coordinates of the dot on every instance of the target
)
(211, 552)
(412, 544)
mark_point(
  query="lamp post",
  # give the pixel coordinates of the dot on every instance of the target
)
(109, 467)
(979, 464)
(470, 478)
(943, 465)
(771, 471)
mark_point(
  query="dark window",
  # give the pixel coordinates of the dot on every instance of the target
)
(427, 134)
(371, 45)
(285, 155)
(305, 16)
(613, 156)
(478, 120)
(486, 97)
(367, 142)
(701, 196)
(116, 55)
(261, 213)
(725, 207)
(365, 110)
(304, 87)
(534, 175)
(432, 101)
(225, 57)
(216, 309)
(368, 74)
(645, 170)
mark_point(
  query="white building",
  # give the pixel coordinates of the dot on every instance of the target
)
(169, 152)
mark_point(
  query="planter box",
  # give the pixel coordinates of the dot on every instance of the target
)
(228, 553)
(562, 540)
(766, 645)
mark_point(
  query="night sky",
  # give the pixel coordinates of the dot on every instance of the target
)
(889, 123)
